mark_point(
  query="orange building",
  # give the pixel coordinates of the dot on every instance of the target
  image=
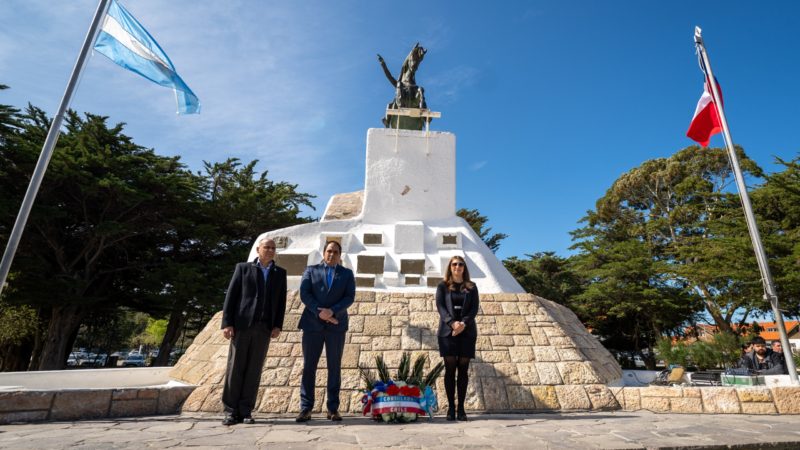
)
(770, 333)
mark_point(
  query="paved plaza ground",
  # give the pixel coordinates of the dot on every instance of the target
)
(597, 430)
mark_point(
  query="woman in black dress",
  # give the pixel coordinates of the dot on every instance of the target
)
(457, 302)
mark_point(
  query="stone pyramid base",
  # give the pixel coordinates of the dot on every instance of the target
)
(532, 355)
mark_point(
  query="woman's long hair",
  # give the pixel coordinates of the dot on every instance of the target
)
(448, 275)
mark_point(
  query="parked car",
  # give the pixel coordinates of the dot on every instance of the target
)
(134, 360)
(94, 360)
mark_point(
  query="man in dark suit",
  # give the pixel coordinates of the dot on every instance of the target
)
(252, 314)
(327, 290)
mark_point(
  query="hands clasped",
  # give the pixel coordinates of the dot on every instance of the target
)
(326, 314)
(457, 327)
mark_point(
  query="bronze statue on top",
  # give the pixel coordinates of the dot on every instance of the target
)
(407, 93)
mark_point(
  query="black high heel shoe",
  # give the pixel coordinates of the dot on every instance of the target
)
(462, 415)
(451, 413)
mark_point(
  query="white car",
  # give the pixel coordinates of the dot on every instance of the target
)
(134, 360)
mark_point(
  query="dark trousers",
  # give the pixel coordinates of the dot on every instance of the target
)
(246, 356)
(312, 350)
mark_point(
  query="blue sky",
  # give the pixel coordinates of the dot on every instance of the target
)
(550, 101)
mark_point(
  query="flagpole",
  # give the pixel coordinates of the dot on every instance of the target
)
(761, 257)
(47, 148)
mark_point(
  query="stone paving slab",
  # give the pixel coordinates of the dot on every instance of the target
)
(580, 430)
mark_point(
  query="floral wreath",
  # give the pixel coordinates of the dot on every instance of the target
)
(402, 398)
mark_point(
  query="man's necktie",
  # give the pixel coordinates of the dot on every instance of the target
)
(329, 275)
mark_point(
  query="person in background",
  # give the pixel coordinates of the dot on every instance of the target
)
(778, 349)
(458, 303)
(747, 347)
(763, 360)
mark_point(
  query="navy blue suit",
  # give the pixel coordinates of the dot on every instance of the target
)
(315, 293)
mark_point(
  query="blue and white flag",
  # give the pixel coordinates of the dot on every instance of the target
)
(125, 41)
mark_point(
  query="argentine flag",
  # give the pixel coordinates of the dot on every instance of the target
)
(125, 41)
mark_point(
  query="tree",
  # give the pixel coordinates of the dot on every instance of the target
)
(778, 206)
(627, 300)
(678, 217)
(101, 206)
(478, 224)
(234, 205)
(546, 275)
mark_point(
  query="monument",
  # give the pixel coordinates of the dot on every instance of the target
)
(397, 235)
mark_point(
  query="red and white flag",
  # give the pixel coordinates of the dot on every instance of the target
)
(705, 122)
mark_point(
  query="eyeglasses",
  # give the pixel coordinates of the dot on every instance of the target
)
(267, 247)
(456, 264)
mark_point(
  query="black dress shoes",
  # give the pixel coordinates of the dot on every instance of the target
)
(304, 416)
(248, 420)
(334, 416)
(451, 413)
(462, 415)
(229, 420)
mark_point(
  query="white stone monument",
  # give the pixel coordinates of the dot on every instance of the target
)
(400, 232)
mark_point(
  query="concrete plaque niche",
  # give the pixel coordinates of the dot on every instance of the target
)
(373, 239)
(372, 264)
(294, 263)
(448, 240)
(412, 280)
(412, 266)
(281, 242)
(365, 281)
(434, 281)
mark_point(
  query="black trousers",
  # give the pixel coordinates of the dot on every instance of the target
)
(246, 356)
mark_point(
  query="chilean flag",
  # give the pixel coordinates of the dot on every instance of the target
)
(705, 122)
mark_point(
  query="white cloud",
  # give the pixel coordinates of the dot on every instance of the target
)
(266, 76)
(449, 84)
(478, 165)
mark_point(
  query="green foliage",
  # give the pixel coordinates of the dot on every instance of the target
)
(546, 275)
(668, 240)
(154, 332)
(17, 322)
(478, 224)
(111, 329)
(627, 300)
(383, 371)
(117, 226)
(727, 348)
(412, 374)
(367, 377)
(404, 367)
(677, 353)
(703, 355)
(418, 371)
(433, 375)
(723, 350)
(778, 206)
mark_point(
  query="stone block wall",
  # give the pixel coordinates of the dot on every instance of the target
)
(710, 400)
(75, 404)
(532, 355)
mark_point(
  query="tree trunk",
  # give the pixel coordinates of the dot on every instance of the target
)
(176, 320)
(16, 357)
(38, 338)
(61, 331)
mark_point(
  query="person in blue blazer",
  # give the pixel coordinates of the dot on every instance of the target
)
(327, 290)
(458, 303)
